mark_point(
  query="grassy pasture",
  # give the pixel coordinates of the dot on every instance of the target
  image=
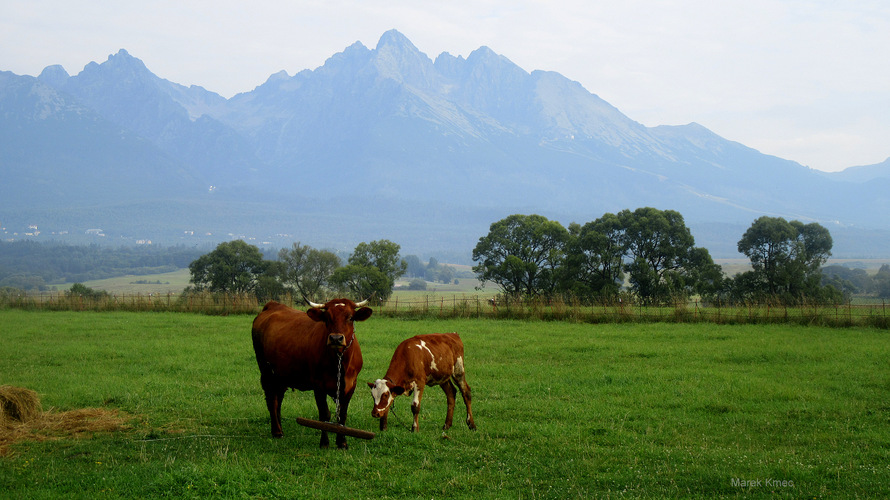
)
(564, 410)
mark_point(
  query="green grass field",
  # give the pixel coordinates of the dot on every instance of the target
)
(563, 411)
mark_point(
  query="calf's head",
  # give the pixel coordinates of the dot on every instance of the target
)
(338, 316)
(384, 392)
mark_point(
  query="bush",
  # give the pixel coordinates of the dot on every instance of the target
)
(417, 284)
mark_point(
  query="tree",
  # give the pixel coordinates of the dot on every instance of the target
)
(521, 254)
(767, 243)
(233, 267)
(594, 258)
(418, 284)
(308, 270)
(786, 257)
(657, 245)
(415, 267)
(362, 282)
(701, 275)
(882, 281)
(83, 291)
(374, 269)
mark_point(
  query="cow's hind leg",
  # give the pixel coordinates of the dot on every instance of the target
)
(465, 392)
(274, 395)
(450, 393)
(324, 414)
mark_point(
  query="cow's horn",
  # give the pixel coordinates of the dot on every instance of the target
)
(362, 303)
(313, 304)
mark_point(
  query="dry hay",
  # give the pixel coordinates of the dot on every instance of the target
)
(22, 418)
(18, 405)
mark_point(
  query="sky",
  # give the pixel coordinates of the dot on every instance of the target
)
(807, 81)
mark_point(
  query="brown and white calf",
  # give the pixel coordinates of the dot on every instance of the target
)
(433, 359)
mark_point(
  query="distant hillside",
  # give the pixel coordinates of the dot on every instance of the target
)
(864, 173)
(382, 143)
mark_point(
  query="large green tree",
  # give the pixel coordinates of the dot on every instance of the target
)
(233, 267)
(521, 254)
(594, 264)
(658, 248)
(308, 270)
(786, 257)
(373, 268)
(361, 282)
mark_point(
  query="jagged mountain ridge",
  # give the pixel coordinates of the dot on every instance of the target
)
(374, 131)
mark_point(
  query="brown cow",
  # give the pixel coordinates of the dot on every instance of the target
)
(315, 351)
(434, 359)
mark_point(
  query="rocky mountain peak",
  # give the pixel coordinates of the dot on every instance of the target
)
(54, 76)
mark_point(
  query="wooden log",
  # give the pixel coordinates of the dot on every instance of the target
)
(335, 428)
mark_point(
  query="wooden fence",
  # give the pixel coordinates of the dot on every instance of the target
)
(474, 306)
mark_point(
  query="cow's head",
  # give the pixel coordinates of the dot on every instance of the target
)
(338, 316)
(383, 392)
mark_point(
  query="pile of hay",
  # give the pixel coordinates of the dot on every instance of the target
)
(18, 405)
(22, 417)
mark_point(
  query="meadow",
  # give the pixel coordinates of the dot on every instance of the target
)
(564, 410)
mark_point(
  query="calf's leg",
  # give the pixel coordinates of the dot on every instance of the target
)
(450, 393)
(415, 407)
(465, 392)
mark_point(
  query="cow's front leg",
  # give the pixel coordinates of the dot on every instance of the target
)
(324, 414)
(415, 407)
(341, 419)
(383, 420)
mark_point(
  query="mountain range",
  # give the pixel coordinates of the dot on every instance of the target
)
(385, 143)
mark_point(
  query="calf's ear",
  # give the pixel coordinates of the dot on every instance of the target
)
(371, 385)
(397, 390)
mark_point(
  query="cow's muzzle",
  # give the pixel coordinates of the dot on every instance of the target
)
(337, 340)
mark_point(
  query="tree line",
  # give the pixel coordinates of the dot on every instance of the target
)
(650, 254)
(35, 266)
(237, 267)
(647, 254)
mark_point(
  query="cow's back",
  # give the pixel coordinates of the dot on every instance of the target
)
(288, 344)
(431, 356)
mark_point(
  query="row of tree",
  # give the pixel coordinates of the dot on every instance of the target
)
(652, 253)
(35, 266)
(858, 281)
(239, 268)
(649, 253)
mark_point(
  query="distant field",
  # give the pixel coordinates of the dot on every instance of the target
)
(175, 282)
(172, 282)
(564, 410)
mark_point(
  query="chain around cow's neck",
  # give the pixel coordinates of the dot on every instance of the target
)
(336, 418)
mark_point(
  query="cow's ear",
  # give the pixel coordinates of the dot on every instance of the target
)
(362, 314)
(397, 390)
(315, 314)
(372, 385)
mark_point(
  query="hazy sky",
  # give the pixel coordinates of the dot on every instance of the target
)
(808, 81)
